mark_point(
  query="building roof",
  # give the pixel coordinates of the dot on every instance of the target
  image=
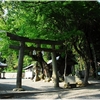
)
(2, 65)
(50, 61)
(28, 66)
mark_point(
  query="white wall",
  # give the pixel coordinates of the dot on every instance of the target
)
(11, 75)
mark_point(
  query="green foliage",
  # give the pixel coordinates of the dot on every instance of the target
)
(27, 61)
(49, 20)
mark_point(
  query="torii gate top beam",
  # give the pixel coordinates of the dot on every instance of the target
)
(37, 41)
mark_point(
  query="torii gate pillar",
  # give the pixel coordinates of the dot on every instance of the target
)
(20, 66)
(54, 67)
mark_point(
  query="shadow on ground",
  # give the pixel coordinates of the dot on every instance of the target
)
(9, 87)
(36, 93)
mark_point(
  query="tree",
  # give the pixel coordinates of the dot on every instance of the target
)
(86, 23)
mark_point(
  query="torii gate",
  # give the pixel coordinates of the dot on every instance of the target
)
(23, 47)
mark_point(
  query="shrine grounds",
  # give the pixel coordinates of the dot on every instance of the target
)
(45, 90)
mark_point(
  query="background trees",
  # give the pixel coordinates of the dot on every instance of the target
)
(75, 22)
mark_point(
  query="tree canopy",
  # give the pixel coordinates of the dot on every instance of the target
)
(75, 22)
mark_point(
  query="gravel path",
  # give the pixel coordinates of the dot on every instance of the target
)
(45, 90)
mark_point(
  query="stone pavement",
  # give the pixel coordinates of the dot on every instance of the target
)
(45, 90)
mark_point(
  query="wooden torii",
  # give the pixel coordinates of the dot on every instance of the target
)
(38, 42)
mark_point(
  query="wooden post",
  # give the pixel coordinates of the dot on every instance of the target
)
(20, 65)
(54, 67)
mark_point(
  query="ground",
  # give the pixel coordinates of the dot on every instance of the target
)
(45, 90)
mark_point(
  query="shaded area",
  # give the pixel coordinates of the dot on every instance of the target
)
(45, 90)
(9, 87)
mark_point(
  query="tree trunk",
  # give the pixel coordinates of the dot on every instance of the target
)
(39, 58)
(55, 74)
(90, 47)
(65, 64)
(94, 62)
(87, 68)
(20, 65)
(85, 56)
